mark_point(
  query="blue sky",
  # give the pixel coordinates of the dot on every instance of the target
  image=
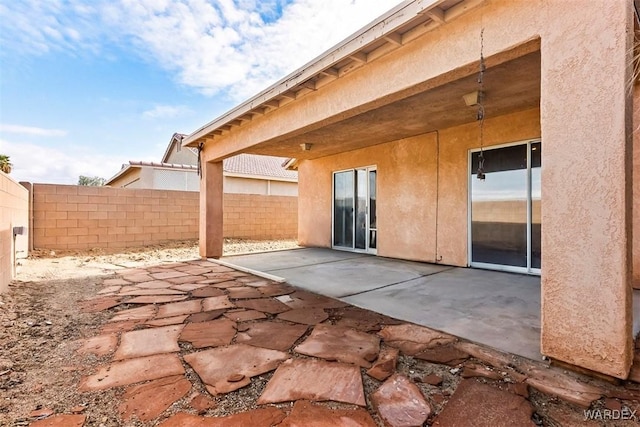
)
(88, 85)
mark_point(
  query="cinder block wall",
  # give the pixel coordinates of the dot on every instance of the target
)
(253, 216)
(14, 212)
(78, 217)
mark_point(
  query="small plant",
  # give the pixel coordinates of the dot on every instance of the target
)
(5, 164)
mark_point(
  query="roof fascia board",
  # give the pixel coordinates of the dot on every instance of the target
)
(386, 24)
(122, 171)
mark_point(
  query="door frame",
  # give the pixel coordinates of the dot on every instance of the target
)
(367, 249)
(500, 267)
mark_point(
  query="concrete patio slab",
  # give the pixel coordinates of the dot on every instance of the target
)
(315, 380)
(494, 308)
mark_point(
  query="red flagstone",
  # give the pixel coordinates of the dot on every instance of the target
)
(215, 366)
(227, 284)
(78, 409)
(99, 345)
(116, 327)
(175, 320)
(486, 406)
(154, 284)
(114, 282)
(185, 279)
(276, 289)
(138, 278)
(216, 303)
(179, 308)
(385, 365)
(194, 270)
(44, 412)
(99, 304)
(244, 315)
(156, 299)
(364, 325)
(61, 421)
(207, 291)
(306, 316)
(432, 379)
(212, 279)
(264, 417)
(471, 370)
(205, 316)
(132, 371)
(209, 334)
(412, 339)
(109, 290)
(315, 380)
(304, 299)
(443, 354)
(270, 334)
(307, 414)
(345, 345)
(138, 313)
(168, 275)
(146, 342)
(188, 287)
(265, 305)
(564, 386)
(244, 292)
(140, 292)
(147, 401)
(400, 403)
(202, 403)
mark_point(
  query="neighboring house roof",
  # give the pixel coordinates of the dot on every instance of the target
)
(176, 141)
(258, 166)
(405, 22)
(243, 165)
(136, 165)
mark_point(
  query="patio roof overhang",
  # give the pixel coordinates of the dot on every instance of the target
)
(433, 110)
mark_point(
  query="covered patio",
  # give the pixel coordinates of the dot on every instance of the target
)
(498, 309)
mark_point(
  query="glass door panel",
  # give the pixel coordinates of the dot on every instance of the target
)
(536, 220)
(499, 216)
(343, 183)
(373, 228)
(361, 209)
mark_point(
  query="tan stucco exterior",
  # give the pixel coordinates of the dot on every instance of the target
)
(569, 58)
(14, 212)
(636, 186)
(410, 191)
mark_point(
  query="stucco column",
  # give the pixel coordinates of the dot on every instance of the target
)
(586, 186)
(211, 195)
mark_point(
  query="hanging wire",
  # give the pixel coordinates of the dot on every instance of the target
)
(480, 113)
(200, 148)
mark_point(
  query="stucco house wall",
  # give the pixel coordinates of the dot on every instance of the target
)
(14, 212)
(636, 186)
(416, 208)
(585, 123)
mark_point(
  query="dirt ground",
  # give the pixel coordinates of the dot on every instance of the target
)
(41, 325)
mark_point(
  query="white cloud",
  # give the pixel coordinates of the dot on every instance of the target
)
(234, 46)
(166, 112)
(41, 164)
(31, 130)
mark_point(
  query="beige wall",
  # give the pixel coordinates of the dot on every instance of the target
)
(77, 217)
(260, 217)
(239, 185)
(414, 204)
(14, 212)
(130, 179)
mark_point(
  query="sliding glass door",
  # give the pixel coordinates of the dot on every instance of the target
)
(354, 209)
(505, 225)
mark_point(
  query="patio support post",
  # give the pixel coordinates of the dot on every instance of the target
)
(211, 198)
(586, 187)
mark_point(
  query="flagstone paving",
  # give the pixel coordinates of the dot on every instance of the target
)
(240, 350)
